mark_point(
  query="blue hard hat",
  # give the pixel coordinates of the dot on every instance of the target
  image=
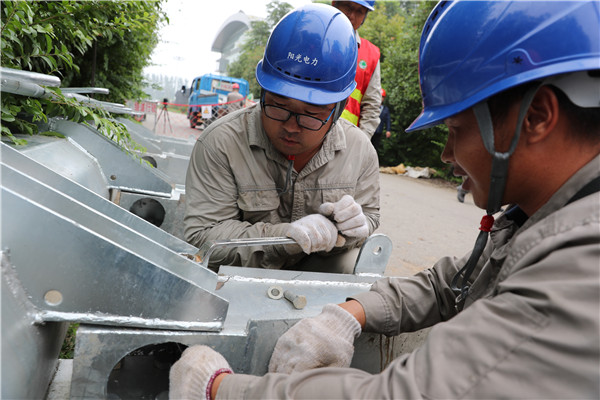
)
(310, 56)
(472, 50)
(369, 5)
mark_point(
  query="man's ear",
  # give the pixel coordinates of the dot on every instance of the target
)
(542, 115)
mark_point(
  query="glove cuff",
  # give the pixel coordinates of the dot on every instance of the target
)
(211, 380)
(345, 324)
(190, 375)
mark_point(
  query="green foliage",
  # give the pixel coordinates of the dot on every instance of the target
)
(67, 350)
(254, 46)
(85, 43)
(395, 27)
(276, 11)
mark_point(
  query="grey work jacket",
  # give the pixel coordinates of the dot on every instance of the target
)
(235, 176)
(529, 328)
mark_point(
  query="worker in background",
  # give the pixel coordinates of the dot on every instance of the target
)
(521, 321)
(289, 166)
(235, 99)
(461, 193)
(362, 108)
(386, 123)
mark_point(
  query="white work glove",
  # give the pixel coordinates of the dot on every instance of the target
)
(191, 377)
(326, 340)
(314, 233)
(348, 216)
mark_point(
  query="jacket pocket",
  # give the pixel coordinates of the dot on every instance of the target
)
(259, 206)
(331, 195)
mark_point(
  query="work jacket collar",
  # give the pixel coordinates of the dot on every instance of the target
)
(510, 223)
(357, 36)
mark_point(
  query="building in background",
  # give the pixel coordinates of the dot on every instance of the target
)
(230, 37)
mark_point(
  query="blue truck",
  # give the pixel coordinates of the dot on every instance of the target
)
(206, 93)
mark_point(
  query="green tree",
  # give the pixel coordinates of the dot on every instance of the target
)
(84, 43)
(254, 45)
(395, 27)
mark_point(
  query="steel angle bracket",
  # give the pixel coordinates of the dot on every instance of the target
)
(14, 159)
(122, 171)
(77, 264)
(374, 255)
(46, 311)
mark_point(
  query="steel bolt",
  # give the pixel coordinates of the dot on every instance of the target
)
(298, 301)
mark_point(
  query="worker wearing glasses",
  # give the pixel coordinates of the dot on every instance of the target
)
(289, 166)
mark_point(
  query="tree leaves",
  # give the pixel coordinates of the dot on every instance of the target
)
(395, 27)
(85, 43)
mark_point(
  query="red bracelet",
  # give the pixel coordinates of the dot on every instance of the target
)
(212, 380)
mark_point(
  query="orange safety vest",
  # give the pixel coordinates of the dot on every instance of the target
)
(368, 57)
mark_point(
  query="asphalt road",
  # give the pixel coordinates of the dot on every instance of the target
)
(422, 217)
(425, 222)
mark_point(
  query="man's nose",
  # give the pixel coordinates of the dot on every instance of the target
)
(291, 125)
(448, 152)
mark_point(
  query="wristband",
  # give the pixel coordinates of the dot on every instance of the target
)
(212, 380)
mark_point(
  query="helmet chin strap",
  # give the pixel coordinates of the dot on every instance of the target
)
(500, 160)
(498, 179)
(288, 175)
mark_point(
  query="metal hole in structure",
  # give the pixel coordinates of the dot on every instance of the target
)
(53, 297)
(144, 372)
(113, 177)
(377, 250)
(149, 209)
(151, 160)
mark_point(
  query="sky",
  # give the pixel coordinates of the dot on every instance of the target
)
(185, 43)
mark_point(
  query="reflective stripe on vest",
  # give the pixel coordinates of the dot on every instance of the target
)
(368, 57)
(347, 115)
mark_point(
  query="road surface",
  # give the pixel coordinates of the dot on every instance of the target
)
(422, 217)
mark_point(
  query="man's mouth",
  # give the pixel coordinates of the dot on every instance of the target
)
(288, 140)
(457, 171)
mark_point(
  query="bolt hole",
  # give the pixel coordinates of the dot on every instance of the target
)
(113, 177)
(377, 250)
(144, 372)
(53, 297)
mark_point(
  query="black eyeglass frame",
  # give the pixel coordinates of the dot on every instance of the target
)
(298, 116)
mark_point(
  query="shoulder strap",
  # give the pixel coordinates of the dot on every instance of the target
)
(592, 187)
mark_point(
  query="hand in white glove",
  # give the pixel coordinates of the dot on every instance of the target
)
(348, 215)
(314, 233)
(191, 377)
(326, 340)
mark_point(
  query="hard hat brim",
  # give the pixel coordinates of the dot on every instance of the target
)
(435, 115)
(300, 91)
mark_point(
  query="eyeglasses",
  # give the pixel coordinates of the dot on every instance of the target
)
(303, 120)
